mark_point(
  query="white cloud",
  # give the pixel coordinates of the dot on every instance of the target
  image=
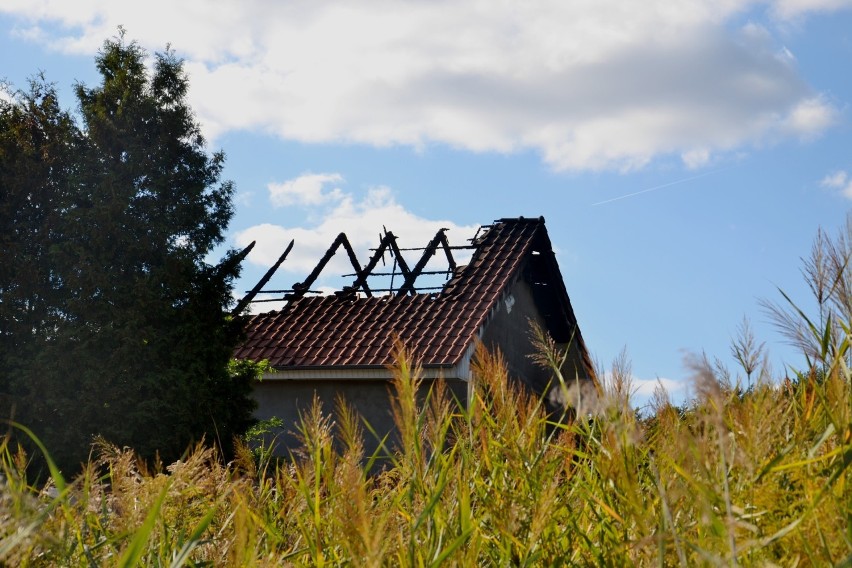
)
(677, 392)
(840, 181)
(645, 387)
(589, 85)
(306, 189)
(810, 117)
(244, 198)
(789, 9)
(697, 158)
(837, 179)
(642, 390)
(361, 219)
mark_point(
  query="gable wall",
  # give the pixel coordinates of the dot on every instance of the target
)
(509, 329)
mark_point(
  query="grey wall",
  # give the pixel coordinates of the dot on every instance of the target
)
(285, 399)
(509, 329)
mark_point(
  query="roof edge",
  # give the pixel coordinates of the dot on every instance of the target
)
(362, 372)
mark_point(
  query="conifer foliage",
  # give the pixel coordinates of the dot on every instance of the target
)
(112, 322)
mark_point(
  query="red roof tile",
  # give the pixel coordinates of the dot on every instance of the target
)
(358, 331)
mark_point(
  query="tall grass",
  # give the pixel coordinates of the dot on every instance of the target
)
(755, 470)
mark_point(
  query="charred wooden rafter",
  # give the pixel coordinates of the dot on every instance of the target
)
(249, 298)
(440, 239)
(387, 244)
(301, 288)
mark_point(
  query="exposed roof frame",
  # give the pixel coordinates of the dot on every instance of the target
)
(387, 243)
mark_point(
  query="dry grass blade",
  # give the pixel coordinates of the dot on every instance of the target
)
(761, 476)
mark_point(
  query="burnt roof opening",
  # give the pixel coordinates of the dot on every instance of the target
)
(386, 264)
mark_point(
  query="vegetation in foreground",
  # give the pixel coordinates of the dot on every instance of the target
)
(753, 471)
(750, 477)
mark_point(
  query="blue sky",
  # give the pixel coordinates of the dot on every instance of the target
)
(683, 153)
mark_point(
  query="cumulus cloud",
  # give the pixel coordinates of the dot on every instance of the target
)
(840, 181)
(361, 218)
(789, 9)
(244, 198)
(643, 392)
(696, 158)
(810, 117)
(607, 84)
(307, 189)
(645, 387)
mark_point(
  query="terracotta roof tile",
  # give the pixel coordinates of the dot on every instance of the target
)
(341, 331)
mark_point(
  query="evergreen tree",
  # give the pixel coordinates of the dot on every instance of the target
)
(112, 322)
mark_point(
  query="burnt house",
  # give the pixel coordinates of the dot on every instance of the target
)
(342, 344)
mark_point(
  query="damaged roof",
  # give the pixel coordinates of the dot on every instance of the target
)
(355, 331)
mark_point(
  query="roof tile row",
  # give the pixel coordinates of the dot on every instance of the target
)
(357, 331)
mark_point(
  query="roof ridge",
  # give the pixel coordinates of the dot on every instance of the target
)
(521, 219)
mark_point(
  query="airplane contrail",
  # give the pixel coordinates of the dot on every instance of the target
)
(656, 187)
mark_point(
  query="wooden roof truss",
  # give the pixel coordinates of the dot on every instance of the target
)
(387, 245)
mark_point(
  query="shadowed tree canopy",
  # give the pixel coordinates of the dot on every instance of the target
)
(112, 321)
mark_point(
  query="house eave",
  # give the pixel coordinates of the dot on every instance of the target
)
(458, 371)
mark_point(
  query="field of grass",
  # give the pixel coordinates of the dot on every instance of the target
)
(756, 470)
